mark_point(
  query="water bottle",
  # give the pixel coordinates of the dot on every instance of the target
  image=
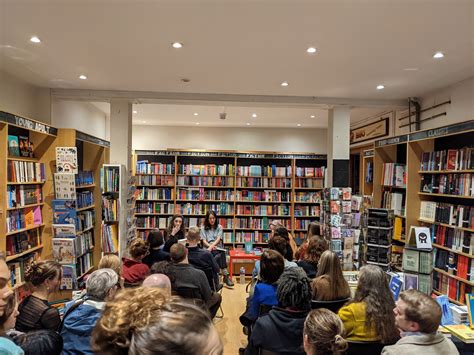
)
(242, 275)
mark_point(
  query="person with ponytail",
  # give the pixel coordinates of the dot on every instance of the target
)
(323, 333)
(35, 312)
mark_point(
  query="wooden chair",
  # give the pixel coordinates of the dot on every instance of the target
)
(333, 306)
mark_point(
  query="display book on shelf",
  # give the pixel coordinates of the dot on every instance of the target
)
(25, 152)
(342, 224)
(73, 218)
(247, 193)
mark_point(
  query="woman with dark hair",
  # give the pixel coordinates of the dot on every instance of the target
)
(369, 316)
(155, 240)
(314, 229)
(283, 232)
(309, 262)
(323, 333)
(271, 268)
(330, 284)
(35, 311)
(40, 342)
(7, 322)
(211, 236)
(174, 232)
(134, 271)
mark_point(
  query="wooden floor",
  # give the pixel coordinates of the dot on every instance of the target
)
(229, 327)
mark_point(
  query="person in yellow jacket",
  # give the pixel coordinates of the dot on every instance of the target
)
(369, 316)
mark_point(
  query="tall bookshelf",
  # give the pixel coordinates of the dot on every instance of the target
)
(25, 195)
(367, 172)
(247, 190)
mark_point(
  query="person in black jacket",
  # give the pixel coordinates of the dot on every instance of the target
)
(155, 240)
(281, 330)
(309, 261)
(174, 232)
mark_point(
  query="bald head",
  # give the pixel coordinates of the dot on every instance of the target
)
(160, 281)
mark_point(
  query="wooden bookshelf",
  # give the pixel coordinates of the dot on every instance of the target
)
(450, 299)
(445, 195)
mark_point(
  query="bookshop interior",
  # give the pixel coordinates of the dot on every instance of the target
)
(152, 201)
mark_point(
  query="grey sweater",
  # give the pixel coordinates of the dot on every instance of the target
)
(188, 275)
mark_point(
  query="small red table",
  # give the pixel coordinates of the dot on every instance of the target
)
(240, 255)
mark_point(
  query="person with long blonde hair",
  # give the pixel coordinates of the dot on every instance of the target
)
(329, 284)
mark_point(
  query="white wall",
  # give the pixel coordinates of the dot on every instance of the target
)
(80, 115)
(19, 97)
(246, 139)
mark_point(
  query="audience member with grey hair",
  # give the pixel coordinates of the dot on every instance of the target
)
(80, 316)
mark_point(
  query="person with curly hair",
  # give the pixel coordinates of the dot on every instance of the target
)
(323, 333)
(314, 230)
(35, 311)
(309, 261)
(369, 316)
(134, 271)
(143, 321)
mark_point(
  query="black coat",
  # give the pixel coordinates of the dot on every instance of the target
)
(172, 239)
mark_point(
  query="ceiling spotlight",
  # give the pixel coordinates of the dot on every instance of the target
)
(185, 80)
(410, 69)
(285, 83)
(177, 45)
(197, 123)
(298, 124)
(82, 77)
(380, 87)
(312, 116)
(311, 50)
(248, 124)
(195, 113)
(254, 115)
(135, 111)
(35, 39)
(438, 55)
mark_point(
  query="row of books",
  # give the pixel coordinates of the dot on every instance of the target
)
(258, 223)
(269, 170)
(154, 207)
(18, 267)
(307, 196)
(22, 195)
(84, 199)
(254, 237)
(68, 250)
(147, 193)
(310, 172)
(21, 242)
(145, 167)
(263, 196)
(200, 194)
(417, 261)
(85, 220)
(155, 180)
(207, 169)
(263, 182)
(220, 209)
(302, 223)
(109, 209)
(455, 239)
(84, 178)
(394, 201)
(109, 234)
(454, 289)
(25, 218)
(309, 183)
(152, 222)
(205, 181)
(454, 215)
(394, 174)
(451, 159)
(25, 171)
(20, 146)
(455, 264)
(449, 184)
(264, 210)
(305, 210)
(84, 263)
(110, 179)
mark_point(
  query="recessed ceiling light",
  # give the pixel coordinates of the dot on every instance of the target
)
(298, 124)
(135, 111)
(35, 39)
(177, 45)
(144, 121)
(195, 113)
(285, 83)
(197, 123)
(380, 87)
(438, 55)
(410, 69)
(312, 116)
(248, 124)
(185, 80)
(311, 50)
(82, 77)
(254, 115)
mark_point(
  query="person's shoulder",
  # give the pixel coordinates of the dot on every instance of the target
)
(7, 346)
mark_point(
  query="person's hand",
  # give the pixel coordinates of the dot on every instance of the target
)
(211, 248)
(175, 230)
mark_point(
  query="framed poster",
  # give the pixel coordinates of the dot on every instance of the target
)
(370, 131)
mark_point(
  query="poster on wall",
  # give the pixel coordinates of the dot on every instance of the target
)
(66, 160)
(370, 131)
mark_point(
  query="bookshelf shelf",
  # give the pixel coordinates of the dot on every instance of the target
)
(307, 216)
(450, 299)
(205, 187)
(160, 200)
(446, 225)
(26, 183)
(85, 273)
(454, 276)
(154, 174)
(207, 201)
(257, 215)
(453, 251)
(310, 177)
(306, 203)
(157, 185)
(26, 206)
(85, 186)
(265, 202)
(85, 208)
(205, 175)
(25, 229)
(31, 250)
(263, 177)
(309, 188)
(252, 229)
(445, 171)
(203, 214)
(85, 230)
(394, 187)
(153, 214)
(262, 188)
(400, 216)
(35, 160)
(445, 195)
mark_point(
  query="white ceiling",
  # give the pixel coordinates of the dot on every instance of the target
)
(240, 47)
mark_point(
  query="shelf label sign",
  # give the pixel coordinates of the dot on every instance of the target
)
(442, 131)
(370, 131)
(27, 123)
(390, 141)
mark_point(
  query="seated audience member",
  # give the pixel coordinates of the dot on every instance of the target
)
(309, 260)
(418, 316)
(330, 284)
(8, 314)
(159, 281)
(291, 249)
(133, 270)
(80, 316)
(35, 311)
(186, 275)
(174, 232)
(323, 333)
(369, 316)
(201, 259)
(112, 261)
(143, 321)
(271, 268)
(40, 342)
(281, 330)
(313, 231)
(155, 242)
(280, 245)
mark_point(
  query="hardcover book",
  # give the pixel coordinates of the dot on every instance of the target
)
(24, 144)
(64, 212)
(13, 146)
(63, 250)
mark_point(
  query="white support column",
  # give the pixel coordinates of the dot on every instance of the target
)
(339, 121)
(121, 133)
